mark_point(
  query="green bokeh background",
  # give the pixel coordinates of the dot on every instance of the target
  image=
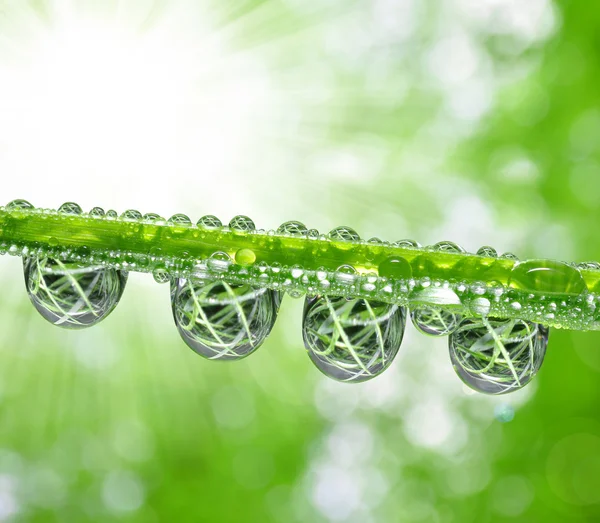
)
(472, 121)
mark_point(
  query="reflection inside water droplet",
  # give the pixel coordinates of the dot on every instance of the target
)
(435, 322)
(72, 296)
(220, 320)
(497, 356)
(352, 339)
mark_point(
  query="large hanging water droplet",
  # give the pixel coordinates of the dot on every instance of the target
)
(435, 322)
(497, 356)
(547, 276)
(352, 339)
(72, 296)
(223, 321)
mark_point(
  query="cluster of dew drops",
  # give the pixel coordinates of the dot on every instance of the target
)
(348, 339)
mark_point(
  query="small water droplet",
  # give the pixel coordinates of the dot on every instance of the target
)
(70, 208)
(504, 412)
(446, 246)
(312, 234)
(509, 256)
(407, 244)
(161, 276)
(344, 233)
(69, 295)
(431, 295)
(97, 212)
(292, 228)
(352, 339)
(111, 214)
(242, 223)
(131, 214)
(435, 322)
(152, 217)
(497, 356)
(219, 261)
(18, 204)
(547, 276)
(345, 274)
(480, 306)
(245, 257)
(209, 222)
(487, 251)
(395, 267)
(220, 320)
(375, 240)
(180, 219)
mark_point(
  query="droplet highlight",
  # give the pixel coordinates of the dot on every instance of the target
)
(497, 356)
(352, 339)
(70, 295)
(223, 321)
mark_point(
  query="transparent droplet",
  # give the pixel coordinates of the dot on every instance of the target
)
(344, 233)
(70, 208)
(395, 267)
(497, 356)
(161, 276)
(407, 244)
(18, 204)
(209, 222)
(480, 306)
(446, 246)
(131, 214)
(547, 276)
(242, 223)
(219, 320)
(97, 212)
(152, 217)
(293, 228)
(111, 213)
(180, 219)
(487, 251)
(375, 241)
(509, 256)
(352, 339)
(589, 266)
(435, 322)
(72, 296)
(219, 261)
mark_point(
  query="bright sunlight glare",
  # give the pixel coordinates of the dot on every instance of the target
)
(98, 108)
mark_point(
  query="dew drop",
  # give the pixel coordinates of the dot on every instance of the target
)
(18, 204)
(180, 219)
(245, 257)
(509, 256)
(407, 244)
(209, 222)
(344, 233)
(487, 251)
(446, 246)
(69, 295)
(497, 356)
(435, 322)
(292, 228)
(219, 261)
(111, 214)
(70, 208)
(395, 267)
(161, 276)
(152, 217)
(97, 212)
(547, 276)
(480, 306)
(352, 339)
(223, 321)
(131, 214)
(242, 223)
